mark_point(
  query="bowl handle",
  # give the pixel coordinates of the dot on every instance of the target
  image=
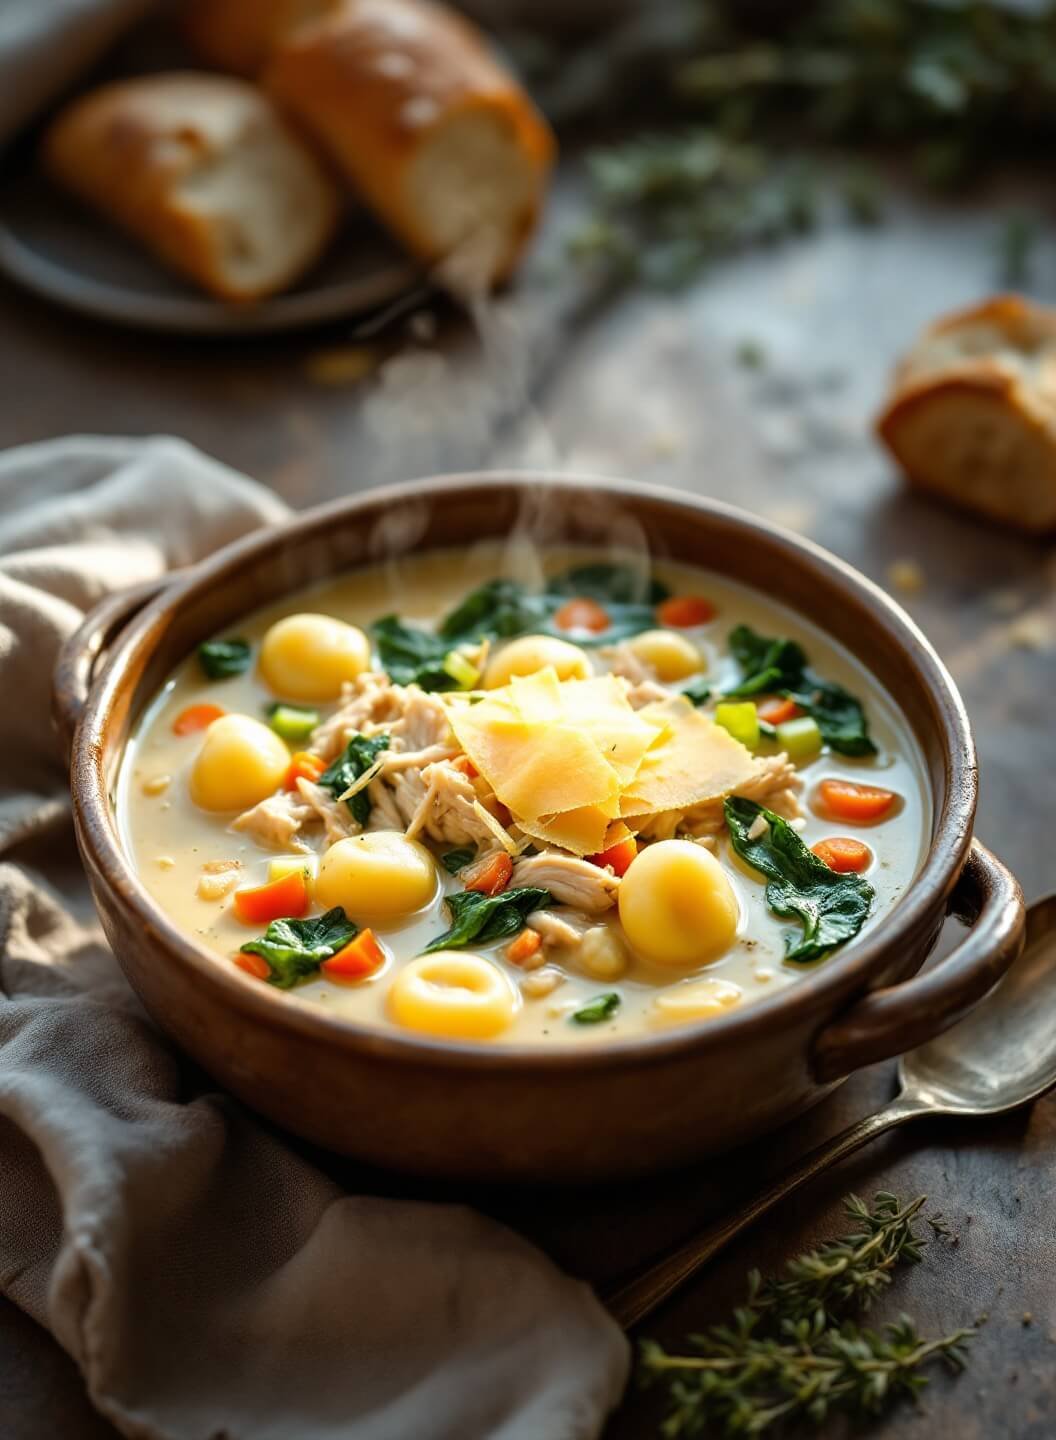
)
(887, 1022)
(81, 655)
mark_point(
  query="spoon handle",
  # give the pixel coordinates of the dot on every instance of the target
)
(639, 1297)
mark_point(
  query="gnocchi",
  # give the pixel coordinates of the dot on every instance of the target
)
(670, 655)
(536, 652)
(453, 993)
(240, 763)
(381, 875)
(310, 657)
(677, 906)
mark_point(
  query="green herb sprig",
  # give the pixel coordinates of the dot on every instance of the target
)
(791, 1354)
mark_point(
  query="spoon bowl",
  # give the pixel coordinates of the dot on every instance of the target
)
(1003, 1053)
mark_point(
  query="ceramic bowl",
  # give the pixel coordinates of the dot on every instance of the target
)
(515, 1112)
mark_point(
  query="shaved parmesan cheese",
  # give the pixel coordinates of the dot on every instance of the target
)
(582, 831)
(693, 760)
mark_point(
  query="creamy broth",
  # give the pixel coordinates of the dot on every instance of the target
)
(170, 839)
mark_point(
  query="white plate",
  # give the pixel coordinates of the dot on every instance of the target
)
(53, 246)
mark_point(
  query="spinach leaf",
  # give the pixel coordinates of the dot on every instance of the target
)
(410, 655)
(220, 659)
(778, 666)
(455, 860)
(294, 949)
(603, 1007)
(498, 610)
(487, 917)
(359, 755)
(831, 907)
(696, 692)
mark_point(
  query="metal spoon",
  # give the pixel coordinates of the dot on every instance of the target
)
(1000, 1056)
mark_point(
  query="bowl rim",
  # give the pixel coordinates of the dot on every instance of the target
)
(836, 981)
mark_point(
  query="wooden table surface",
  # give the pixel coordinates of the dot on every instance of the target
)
(651, 386)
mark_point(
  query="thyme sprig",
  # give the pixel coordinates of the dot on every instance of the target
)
(792, 1354)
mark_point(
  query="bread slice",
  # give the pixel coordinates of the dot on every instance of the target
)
(242, 35)
(205, 171)
(972, 411)
(434, 133)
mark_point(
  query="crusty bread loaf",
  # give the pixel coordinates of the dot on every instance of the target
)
(240, 35)
(972, 411)
(435, 134)
(205, 172)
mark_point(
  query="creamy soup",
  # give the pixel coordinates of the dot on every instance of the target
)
(629, 802)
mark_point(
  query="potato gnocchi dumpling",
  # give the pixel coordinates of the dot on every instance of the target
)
(671, 655)
(309, 657)
(241, 762)
(677, 906)
(535, 652)
(380, 875)
(453, 993)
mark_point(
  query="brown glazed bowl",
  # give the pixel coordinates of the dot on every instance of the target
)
(487, 1112)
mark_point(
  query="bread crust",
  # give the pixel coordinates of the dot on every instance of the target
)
(377, 80)
(241, 35)
(971, 414)
(128, 149)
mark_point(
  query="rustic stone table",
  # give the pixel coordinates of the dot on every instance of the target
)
(661, 388)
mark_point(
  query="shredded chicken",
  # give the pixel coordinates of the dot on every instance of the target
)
(646, 692)
(570, 881)
(774, 783)
(337, 819)
(218, 878)
(371, 704)
(438, 802)
(622, 661)
(560, 927)
(275, 822)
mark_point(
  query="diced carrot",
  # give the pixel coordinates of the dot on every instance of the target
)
(582, 614)
(286, 898)
(303, 766)
(465, 764)
(858, 803)
(524, 947)
(841, 853)
(254, 965)
(492, 874)
(196, 717)
(359, 958)
(777, 710)
(683, 611)
(617, 857)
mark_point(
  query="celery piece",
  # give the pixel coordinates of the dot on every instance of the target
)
(292, 722)
(462, 671)
(740, 719)
(800, 738)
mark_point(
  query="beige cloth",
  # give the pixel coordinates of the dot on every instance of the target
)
(211, 1284)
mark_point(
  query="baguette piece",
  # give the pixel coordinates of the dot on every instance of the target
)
(203, 170)
(434, 133)
(971, 414)
(242, 35)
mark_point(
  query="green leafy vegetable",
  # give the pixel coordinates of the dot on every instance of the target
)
(220, 659)
(294, 949)
(772, 665)
(292, 722)
(504, 609)
(359, 755)
(696, 692)
(831, 907)
(602, 1007)
(455, 860)
(475, 916)
(790, 1353)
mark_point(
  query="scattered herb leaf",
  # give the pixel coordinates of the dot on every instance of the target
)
(790, 1354)
(294, 949)
(220, 659)
(455, 860)
(475, 916)
(830, 906)
(697, 692)
(601, 1008)
(772, 665)
(359, 755)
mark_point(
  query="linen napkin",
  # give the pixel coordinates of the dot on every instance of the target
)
(210, 1283)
